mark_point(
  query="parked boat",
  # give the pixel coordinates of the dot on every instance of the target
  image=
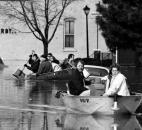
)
(101, 105)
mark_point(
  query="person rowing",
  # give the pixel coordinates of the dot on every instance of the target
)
(34, 65)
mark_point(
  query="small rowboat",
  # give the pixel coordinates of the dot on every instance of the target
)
(101, 105)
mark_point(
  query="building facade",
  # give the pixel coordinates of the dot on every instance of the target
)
(70, 36)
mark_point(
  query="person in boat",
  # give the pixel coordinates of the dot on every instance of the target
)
(35, 64)
(68, 62)
(55, 65)
(50, 55)
(74, 77)
(30, 61)
(44, 67)
(78, 87)
(116, 83)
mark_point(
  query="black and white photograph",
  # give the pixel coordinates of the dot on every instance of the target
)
(70, 65)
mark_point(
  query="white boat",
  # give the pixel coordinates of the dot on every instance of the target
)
(101, 105)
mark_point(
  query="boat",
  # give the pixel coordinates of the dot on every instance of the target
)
(101, 104)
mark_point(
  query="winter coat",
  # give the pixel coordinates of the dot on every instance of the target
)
(44, 68)
(117, 86)
(34, 66)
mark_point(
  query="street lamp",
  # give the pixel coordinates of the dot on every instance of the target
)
(86, 11)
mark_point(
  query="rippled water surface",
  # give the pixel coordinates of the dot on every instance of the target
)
(30, 105)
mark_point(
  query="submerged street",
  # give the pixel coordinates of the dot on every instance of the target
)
(32, 105)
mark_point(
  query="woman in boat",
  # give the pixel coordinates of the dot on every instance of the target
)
(116, 83)
(50, 55)
(35, 64)
(55, 65)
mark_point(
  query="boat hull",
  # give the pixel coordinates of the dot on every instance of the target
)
(101, 104)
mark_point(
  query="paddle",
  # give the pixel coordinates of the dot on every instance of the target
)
(19, 73)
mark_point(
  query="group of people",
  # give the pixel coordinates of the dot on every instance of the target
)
(45, 64)
(49, 68)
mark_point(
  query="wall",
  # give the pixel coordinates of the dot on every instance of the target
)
(19, 46)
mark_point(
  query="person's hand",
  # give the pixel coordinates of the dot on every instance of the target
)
(104, 94)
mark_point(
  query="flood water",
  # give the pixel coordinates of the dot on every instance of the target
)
(30, 105)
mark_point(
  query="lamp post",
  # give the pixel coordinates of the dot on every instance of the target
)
(86, 11)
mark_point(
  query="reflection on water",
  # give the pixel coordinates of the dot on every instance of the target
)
(30, 105)
(29, 120)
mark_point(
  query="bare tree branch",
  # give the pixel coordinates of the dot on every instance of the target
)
(39, 16)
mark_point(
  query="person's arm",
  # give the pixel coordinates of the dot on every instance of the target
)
(59, 75)
(28, 67)
(115, 85)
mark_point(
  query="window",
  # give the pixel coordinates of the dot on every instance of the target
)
(69, 32)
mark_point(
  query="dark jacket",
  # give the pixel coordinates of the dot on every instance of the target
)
(74, 77)
(45, 67)
(66, 65)
(34, 66)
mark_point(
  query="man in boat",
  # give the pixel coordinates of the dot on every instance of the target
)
(45, 66)
(35, 64)
(68, 62)
(116, 83)
(74, 77)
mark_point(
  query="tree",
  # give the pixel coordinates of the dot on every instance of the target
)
(120, 22)
(41, 16)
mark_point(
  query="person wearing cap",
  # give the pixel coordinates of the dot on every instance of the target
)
(45, 66)
(35, 64)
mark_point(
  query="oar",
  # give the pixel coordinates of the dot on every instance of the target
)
(115, 105)
(21, 71)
